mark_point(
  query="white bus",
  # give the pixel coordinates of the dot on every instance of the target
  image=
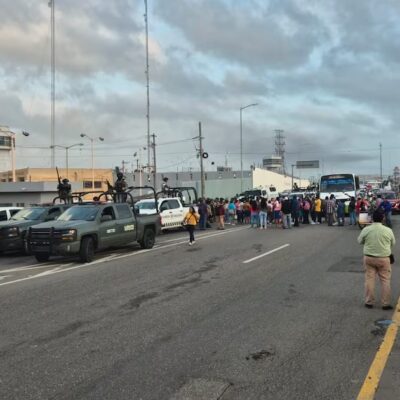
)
(342, 186)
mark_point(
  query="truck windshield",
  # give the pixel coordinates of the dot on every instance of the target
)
(29, 214)
(79, 213)
(148, 205)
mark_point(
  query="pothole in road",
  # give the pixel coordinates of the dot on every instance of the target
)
(260, 355)
(348, 264)
(381, 326)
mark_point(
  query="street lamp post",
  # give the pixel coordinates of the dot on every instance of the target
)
(139, 166)
(66, 148)
(92, 151)
(241, 144)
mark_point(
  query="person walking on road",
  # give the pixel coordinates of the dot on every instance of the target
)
(220, 214)
(378, 241)
(191, 219)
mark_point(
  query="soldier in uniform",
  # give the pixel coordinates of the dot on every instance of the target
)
(164, 187)
(64, 191)
(120, 187)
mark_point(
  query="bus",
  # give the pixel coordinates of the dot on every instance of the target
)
(342, 186)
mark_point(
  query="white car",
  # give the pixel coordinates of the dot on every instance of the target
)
(171, 210)
(7, 212)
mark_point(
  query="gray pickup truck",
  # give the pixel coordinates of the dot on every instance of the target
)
(84, 229)
(13, 231)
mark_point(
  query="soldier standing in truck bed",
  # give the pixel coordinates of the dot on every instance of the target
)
(120, 187)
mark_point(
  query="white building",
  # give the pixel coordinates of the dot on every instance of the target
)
(5, 149)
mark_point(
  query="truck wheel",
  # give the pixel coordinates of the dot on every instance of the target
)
(86, 253)
(42, 257)
(149, 238)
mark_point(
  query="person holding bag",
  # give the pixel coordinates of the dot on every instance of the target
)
(378, 241)
(190, 221)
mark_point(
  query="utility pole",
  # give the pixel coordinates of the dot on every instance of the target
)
(201, 163)
(292, 175)
(123, 165)
(53, 85)
(147, 85)
(153, 145)
(380, 160)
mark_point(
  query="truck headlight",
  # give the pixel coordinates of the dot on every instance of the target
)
(12, 232)
(68, 235)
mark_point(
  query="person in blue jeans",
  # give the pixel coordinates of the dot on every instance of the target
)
(203, 212)
(263, 213)
(352, 211)
(387, 208)
(254, 214)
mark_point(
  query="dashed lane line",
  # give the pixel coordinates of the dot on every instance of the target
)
(113, 257)
(371, 382)
(266, 254)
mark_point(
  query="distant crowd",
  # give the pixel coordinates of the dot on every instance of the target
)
(285, 212)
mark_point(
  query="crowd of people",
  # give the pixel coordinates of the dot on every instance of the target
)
(287, 212)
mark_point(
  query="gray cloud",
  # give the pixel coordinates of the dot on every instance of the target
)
(278, 35)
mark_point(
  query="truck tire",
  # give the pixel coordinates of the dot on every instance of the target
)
(86, 252)
(149, 238)
(42, 257)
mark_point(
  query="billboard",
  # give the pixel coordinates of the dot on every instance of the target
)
(307, 164)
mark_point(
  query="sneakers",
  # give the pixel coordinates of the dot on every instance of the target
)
(369, 305)
(388, 307)
(190, 243)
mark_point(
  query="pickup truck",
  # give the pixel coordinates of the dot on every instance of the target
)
(84, 229)
(13, 231)
(7, 212)
(172, 211)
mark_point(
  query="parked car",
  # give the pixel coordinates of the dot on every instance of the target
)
(13, 231)
(84, 229)
(7, 212)
(172, 211)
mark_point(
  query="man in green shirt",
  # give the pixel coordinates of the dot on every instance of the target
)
(378, 241)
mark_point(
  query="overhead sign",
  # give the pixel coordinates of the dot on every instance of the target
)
(307, 164)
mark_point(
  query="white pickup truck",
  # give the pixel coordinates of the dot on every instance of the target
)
(172, 211)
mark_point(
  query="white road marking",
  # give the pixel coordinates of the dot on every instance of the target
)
(4, 277)
(28, 268)
(49, 272)
(266, 254)
(113, 257)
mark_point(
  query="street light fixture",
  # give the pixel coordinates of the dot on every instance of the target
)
(241, 144)
(66, 148)
(84, 135)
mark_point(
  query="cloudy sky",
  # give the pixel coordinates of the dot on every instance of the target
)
(325, 72)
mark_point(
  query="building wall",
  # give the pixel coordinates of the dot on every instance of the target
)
(225, 188)
(50, 175)
(262, 177)
(5, 148)
(29, 193)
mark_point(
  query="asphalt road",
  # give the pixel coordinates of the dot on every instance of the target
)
(211, 321)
